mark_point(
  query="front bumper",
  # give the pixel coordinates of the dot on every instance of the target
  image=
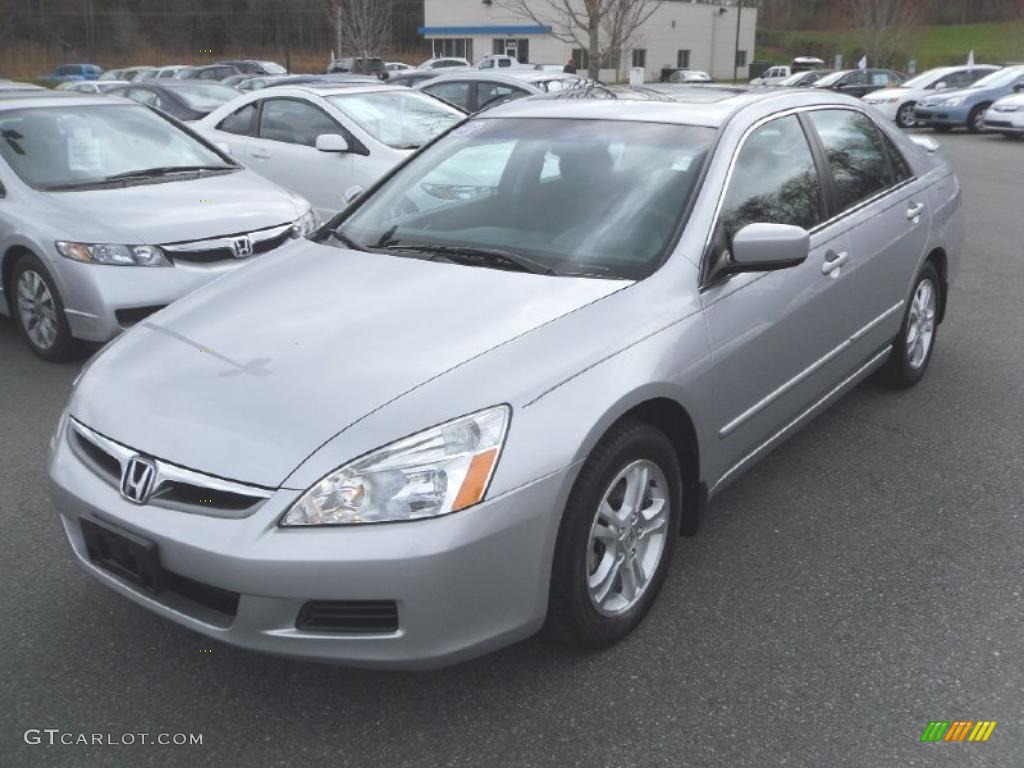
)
(102, 301)
(953, 117)
(464, 584)
(1005, 122)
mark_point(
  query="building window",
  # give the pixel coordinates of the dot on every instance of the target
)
(639, 57)
(683, 59)
(581, 58)
(461, 47)
(741, 58)
(519, 48)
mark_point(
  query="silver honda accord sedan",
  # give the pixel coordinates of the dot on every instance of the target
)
(489, 396)
(109, 211)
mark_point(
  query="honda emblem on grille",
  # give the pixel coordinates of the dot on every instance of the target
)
(242, 247)
(137, 479)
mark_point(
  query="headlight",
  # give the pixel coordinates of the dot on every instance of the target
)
(306, 224)
(956, 101)
(115, 255)
(434, 472)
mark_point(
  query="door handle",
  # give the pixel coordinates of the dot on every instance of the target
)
(833, 261)
(260, 155)
(914, 212)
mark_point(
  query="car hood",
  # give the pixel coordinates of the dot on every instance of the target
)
(1017, 100)
(249, 375)
(972, 94)
(175, 211)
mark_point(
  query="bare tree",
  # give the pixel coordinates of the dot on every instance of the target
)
(883, 25)
(588, 23)
(361, 27)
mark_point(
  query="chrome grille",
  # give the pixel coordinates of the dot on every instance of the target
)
(174, 487)
(220, 248)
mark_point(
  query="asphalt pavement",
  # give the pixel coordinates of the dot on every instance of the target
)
(864, 579)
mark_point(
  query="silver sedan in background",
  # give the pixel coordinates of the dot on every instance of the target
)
(110, 211)
(489, 396)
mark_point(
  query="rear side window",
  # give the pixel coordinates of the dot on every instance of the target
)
(453, 93)
(239, 122)
(857, 154)
(488, 94)
(774, 180)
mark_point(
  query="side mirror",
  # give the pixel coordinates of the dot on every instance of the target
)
(352, 193)
(927, 143)
(941, 86)
(764, 247)
(331, 142)
(1018, 88)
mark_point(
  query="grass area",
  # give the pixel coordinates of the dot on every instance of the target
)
(931, 46)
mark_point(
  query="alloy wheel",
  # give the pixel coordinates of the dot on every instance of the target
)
(627, 537)
(905, 117)
(37, 309)
(921, 325)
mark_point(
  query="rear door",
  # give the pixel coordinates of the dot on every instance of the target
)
(284, 150)
(778, 338)
(884, 210)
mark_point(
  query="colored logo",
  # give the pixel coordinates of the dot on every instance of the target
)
(958, 730)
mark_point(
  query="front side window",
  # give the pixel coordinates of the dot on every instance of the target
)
(592, 197)
(774, 180)
(400, 119)
(57, 148)
(239, 122)
(856, 152)
(294, 122)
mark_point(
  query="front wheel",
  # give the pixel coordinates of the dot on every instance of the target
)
(912, 350)
(905, 115)
(616, 537)
(976, 120)
(39, 312)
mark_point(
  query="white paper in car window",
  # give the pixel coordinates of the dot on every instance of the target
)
(83, 151)
(879, 78)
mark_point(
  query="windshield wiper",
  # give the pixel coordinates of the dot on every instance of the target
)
(164, 171)
(472, 256)
(344, 239)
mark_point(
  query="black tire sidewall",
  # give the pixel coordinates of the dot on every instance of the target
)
(571, 614)
(63, 345)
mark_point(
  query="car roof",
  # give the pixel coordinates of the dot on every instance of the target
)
(23, 99)
(526, 77)
(701, 105)
(329, 89)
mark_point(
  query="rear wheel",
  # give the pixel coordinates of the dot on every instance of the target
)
(38, 310)
(905, 115)
(912, 350)
(616, 537)
(976, 120)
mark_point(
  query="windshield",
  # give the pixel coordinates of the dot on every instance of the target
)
(832, 79)
(584, 197)
(51, 147)
(794, 79)
(401, 119)
(205, 97)
(273, 68)
(927, 78)
(1000, 78)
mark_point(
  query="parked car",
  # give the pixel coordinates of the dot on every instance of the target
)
(358, 65)
(91, 86)
(397, 66)
(773, 75)
(256, 67)
(127, 73)
(860, 82)
(501, 61)
(186, 100)
(1006, 116)
(804, 79)
(444, 62)
(327, 142)
(170, 71)
(549, 67)
(111, 211)
(410, 78)
(474, 90)
(215, 72)
(965, 108)
(689, 76)
(491, 395)
(66, 72)
(806, 64)
(898, 103)
(11, 86)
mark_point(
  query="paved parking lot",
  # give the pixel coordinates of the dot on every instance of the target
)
(866, 578)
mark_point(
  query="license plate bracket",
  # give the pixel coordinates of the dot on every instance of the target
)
(123, 554)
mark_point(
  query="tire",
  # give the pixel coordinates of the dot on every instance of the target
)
(587, 548)
(908, 362)
(976, 120)
(905, 115)
(38, 311)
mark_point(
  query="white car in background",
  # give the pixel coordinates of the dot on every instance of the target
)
(91, 86)
(898, 103)
(1006, 116)
(327, 142)
(773, 75)
(397, 66)
(444, 62)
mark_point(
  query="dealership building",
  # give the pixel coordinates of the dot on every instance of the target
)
(694, 34)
